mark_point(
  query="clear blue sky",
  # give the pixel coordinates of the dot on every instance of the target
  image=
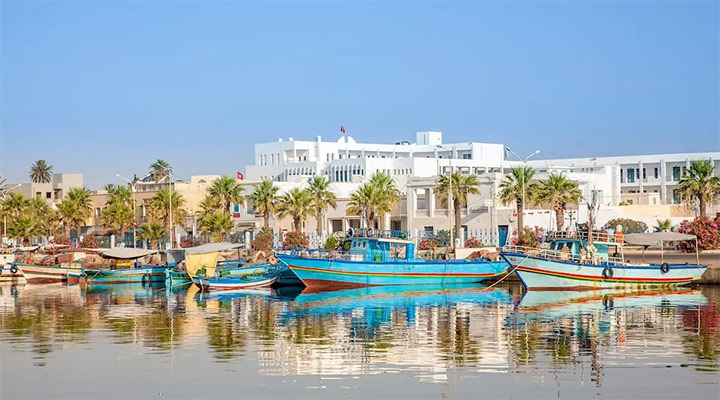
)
(105, 88)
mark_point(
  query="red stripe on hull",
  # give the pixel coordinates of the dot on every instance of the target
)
(601, 279)
(320, 285)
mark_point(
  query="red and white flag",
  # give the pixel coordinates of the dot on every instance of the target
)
(239, 175)
(342, 129)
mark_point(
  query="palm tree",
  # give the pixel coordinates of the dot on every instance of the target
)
(296, 204)
(160, 207)
(363, 199)
(24, 227)
(558, 191)
(14, 204)
(217, 225)
(264, 200)
(117, 216)
(3, 187)
(152, 231)
(41, 172)
(462, 185)
(228, 191)
(80, 197)
(160, 170)
(66, 211)
(38, 209)
(386, 198)
(700, 183)
(517, 187)
(322, 198)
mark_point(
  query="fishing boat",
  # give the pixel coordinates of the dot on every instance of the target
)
(188, 261)
(125, 267)
(8, 270)
(51, 263)
(569, 262)
(372, 261)
(237, 282)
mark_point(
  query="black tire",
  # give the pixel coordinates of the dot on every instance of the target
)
(14, 269)
(608, 272)
(664, 268)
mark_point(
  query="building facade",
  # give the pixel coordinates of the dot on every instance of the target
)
(52, 192)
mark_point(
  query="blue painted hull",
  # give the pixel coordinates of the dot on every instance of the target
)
(335, 273)
(131, 275)
(235, 282)
(177, 278)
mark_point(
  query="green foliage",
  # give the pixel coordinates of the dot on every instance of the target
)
(228, 191)
(558, 191)
(263, 241)
(462, 186)
(699, 183)
(514, 185)
(264, 199)
(706, 230)
(160, 170)
(41, 172)
(663, 225)
(473, 243)
(295, 239)
(529, 237)
(152, 231)
(217, 225)
(296, 204)
(322, 198)
(628, 225)
(427, 244)
(377, 197)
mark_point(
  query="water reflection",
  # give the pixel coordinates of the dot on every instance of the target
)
(424, 331)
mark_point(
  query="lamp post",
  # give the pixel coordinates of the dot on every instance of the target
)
(524, 164)
(451, 205)
(172, 227)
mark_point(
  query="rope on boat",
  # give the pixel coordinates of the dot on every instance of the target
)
(509, 273)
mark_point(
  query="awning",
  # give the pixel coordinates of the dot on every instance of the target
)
(126, 253)
(649, 239)
(212, 247)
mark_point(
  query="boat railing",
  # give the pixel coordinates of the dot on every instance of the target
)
(316, 253)
(562, 256)
(597, 236)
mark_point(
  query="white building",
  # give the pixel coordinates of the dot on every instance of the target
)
(52, 192)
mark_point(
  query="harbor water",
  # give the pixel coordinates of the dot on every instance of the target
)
(463, 341)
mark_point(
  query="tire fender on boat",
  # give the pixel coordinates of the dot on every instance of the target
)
(608, 272)
(14, 269)
(664, 268)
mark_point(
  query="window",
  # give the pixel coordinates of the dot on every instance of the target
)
(38, 194)
(466, 156)
(631, 175)
(656, 173)
(48, 195)
(97, 211)
(644, 175)
(676, 174)
(429, 230)
(622, 177)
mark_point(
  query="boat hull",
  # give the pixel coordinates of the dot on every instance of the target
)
(118, 276)
(216, 284)
(45, 274)
(538, 273)
(177, 278)
(334, 273)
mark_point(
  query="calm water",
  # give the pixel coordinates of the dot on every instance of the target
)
(59, 341)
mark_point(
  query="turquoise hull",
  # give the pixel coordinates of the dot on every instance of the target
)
(131, 275)
(177, 278)
(336, 273)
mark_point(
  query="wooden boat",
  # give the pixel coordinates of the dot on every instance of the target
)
(382, 261)
(265, 279)
(8, 270)
(202, 257)
(125, 267)
(570, 263)
(45, 265)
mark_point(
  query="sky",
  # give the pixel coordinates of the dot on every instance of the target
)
(108, 87)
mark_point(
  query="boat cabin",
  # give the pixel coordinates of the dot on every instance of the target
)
(379, 249)
(577, 249)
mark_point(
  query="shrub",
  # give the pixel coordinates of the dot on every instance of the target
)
(189, 241)
(331, 244)
(89, 242)
(473, 243)
(628, 225)
(529, 237)
(427, 244)
(706, 230)
(295, 239)
(263, 241)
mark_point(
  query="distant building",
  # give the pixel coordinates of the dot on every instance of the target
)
(52, 192)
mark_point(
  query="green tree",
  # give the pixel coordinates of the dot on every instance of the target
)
(160, 207)
(14, 204)
(511, 189)
(462, 186)
(364, 198)
(117, 216)
(264, 200)
(160, 170)
(217, 225)
(700, 183)
(387, 196)
(296, 204)
(322, 199)
(41, 172)
(23, 227)
(66, 210)
(82, 210)
(558, 191)
(228, 191)
(152, 231)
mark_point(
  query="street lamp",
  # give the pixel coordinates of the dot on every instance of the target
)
(172, 227)
(451, 206)
(524, 163)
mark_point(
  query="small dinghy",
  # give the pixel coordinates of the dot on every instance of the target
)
(237, 282)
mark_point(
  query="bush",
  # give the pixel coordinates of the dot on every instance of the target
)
(331, 244)
(473, 243)
(427, 244)
(628, 225)
(263, 241)
(189, 241)
(295, 239)
(89, 242)
(529, 237)
(706, 230)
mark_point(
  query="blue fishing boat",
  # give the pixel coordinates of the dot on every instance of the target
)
(237, 282)
(125, 267)
(569, 261)
(175, 278)
(382, 261)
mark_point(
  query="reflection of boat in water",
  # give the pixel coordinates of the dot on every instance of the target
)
(556, 304)
(397, 296)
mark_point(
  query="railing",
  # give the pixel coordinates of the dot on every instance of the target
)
(597, 236)
(318, 253)
(561, 256)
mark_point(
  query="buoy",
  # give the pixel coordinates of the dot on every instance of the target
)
(608, 272)
(664, 268)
